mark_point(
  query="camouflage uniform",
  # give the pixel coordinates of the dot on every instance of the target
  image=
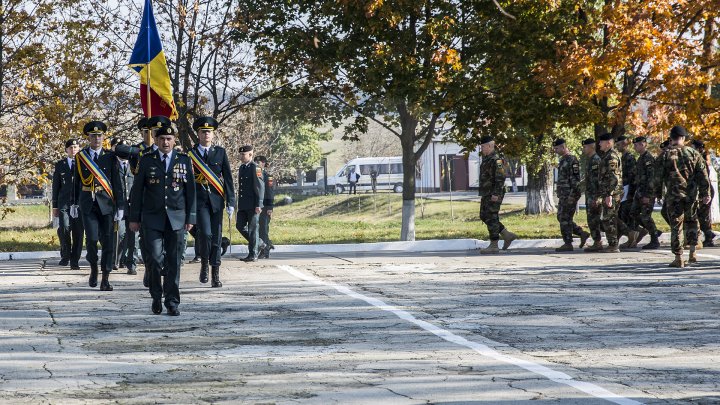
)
(492, 182)
(644, 188)
(592, 196)
(568, 192)
(703, 210)
(610, 185)
(680, 169)
(628, 179)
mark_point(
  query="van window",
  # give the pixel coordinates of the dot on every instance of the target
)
(396, 168)
(342, 172)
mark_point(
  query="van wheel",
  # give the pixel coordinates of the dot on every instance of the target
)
(398, 188)
(339, 189)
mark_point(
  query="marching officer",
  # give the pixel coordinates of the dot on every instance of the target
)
(568, 191)
(592, 194)
(678, 167)
(70, 231)
(125, 237)
(99, 200)
(492, 191)
(611, 191)
(251, 193)
(644, 198)
(163, 204)
(215, 191)
(267, 210)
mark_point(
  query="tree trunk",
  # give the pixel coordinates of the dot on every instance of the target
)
(407, 140)
(540, 189)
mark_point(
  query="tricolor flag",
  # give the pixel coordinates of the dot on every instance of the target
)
(148, 61)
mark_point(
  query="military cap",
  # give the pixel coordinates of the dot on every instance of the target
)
(558, 142)
(486, 139)
(117, 141)
(246, 148)
(588, 141)
(158, 121)
(677, 131)
(621, 138)
(698, 144)
(260, 158)
(95, 127)
(205, 123)
(639, 139)
(607, 136)
(166, 130)
(71, 142)
(142, 123)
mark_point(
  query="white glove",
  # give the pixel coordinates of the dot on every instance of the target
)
(74, 211)
(230, 211)
(119, 215)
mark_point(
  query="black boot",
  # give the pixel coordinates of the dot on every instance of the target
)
(105, 282)
(92, 282)
(204, 270)
(146, 276)
(654, 243)
(264, 253)
(216, 277)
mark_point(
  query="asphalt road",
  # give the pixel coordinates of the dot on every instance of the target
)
(396, 328)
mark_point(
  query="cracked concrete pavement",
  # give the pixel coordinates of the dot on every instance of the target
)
(358, 328)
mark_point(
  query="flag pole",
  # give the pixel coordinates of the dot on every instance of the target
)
(147, 67)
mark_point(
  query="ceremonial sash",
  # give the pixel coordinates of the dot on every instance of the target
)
(94, 169)
(202, 168)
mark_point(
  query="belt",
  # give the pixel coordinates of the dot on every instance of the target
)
(97, 188)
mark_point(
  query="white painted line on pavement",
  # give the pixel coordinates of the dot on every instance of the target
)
(484, 350)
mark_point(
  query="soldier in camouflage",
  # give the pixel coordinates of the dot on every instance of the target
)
(592, 194)
(678, 168)
(492, 191)
(568, 192)
(611, 191)
(629, 187)
(703, 210)
(644, 197)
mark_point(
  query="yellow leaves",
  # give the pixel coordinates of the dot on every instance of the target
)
(449, 57)
(372, 7)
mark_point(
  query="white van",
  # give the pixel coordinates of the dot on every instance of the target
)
(389, 174)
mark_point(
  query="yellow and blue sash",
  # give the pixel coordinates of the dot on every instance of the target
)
(202, 168)
(95, 171)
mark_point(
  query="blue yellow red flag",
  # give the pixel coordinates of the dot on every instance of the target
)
(148, 61)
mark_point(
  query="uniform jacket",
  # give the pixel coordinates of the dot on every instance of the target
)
(645, 176)
(269, 197)
(610, 174)
(628, 172)
(108, 205)
(683, 173)
(135, 160)
(217, 161)
(251, 187)
(158, 196)
(492, 175)
(568, 180)
(592, 178)
(62, 185)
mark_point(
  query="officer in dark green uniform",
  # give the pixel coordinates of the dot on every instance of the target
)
(70, 231)
(163, 203)
(611, 191)
(644, 198)
(492, 191)
(568, 192)
(215, 191)
(251, 193)
(267, 210)
(592, 194)
(99, 200)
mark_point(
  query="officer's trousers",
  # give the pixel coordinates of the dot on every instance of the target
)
(129, 245)
(70, 235)
(247, 223)
(99, 228)
(164, 248)
(490, 215)
(264, 226)
(682, 213)
(208, 234)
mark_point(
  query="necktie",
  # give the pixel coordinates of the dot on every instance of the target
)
(165, 160)
(95, 155)
(205, 155)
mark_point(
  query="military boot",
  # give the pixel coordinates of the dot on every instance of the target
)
(595, 247)
(631, 237)
(204, 267)
(693, 256)
(508, 238)
(584, 236)
(611, 249)
(264, 253)
(216, 277)
(567, 247)
(105, 282)
(678, 262)
(491, 249)
(643, 233)
(92, 282)
(654, 243)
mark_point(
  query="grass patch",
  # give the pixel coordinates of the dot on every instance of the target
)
(330, 219)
